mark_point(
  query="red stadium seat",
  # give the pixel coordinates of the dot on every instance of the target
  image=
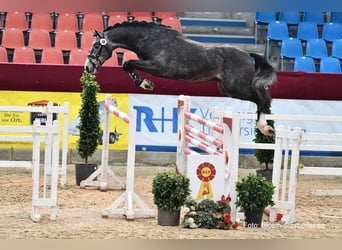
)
(41, 20)
(3, 54)
(12, 38)
(52, 56)
(24, 55)
(87, 40)
(92, 21)
(39, 39)
(66, 40)
(16, 20)
(67, 21)
(78, 57)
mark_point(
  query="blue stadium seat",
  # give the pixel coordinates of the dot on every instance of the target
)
(307, 30)
(330, 65)
(305, 64)
(262, 18)
(316, 48)
(336, 50)
(336, 17)
(314, 17)
(332, 31)
(276, 31)
(289, 17)
(290, 48)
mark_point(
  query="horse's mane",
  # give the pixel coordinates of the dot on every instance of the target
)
(139, 24)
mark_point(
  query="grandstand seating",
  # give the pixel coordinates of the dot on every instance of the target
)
(3, 54)
(41, 20)
(336, 17)
(290, 49)
(307, 30)
(67, 21)
(24, 55)
(73, 32)
(332, 31)
(87, 40)
(92, 21)
(277, 31)
(305, 64)
(12, 38)
(330, 65)
(66, 40)
(39, 39)
(314, 17)
(262, 18)
(316, 48)
(77, 57)
(336, 50)
(52, 56)
(290, 17)
(16, 20)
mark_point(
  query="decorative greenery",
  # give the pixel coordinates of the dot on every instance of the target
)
(170, 190)
(265, 155)
(254, 192)
(208, 214)
(89, 125)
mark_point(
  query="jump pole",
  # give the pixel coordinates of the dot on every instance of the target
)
(129, 196)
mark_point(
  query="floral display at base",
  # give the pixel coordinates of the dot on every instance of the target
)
(208, 214)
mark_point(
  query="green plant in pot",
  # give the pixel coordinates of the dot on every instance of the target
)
(265, 156)
(89, 126)
(254, 194)
(170, 190)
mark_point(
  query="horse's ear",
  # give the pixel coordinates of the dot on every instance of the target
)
(96, 33)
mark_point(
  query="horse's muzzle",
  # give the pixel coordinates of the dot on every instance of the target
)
(89, 67)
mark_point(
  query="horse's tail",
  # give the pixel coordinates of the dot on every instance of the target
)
(265, 74)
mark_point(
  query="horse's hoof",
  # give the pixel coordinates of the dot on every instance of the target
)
(267, 130)
(147, 84)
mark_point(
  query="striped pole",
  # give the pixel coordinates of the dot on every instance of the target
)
(202, 121)
(204, 136)
(201, 145)
(123, 116)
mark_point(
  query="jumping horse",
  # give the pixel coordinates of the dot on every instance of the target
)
(166, 53)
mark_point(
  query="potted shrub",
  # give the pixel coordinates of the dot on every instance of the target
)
(170, 190)
(254, 194)
(265, 156)
(89, 126)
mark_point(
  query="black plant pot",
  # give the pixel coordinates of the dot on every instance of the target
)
(253, 219)
(83, 171)
(267, 173)
(166, 218)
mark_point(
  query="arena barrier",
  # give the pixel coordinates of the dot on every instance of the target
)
(49, 110)
(287, 140)
(127, 198)
(48, 135)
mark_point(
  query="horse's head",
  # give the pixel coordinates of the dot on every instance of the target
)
(100, 51)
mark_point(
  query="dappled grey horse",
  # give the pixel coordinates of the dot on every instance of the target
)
(164, 52)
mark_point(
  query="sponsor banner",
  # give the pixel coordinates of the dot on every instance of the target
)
(157, 117)
(118, 128)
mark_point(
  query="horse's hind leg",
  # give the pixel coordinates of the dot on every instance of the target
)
(129, 67)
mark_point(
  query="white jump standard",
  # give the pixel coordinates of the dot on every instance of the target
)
(127, 198)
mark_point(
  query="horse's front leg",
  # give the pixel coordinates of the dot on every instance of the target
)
(142, 83)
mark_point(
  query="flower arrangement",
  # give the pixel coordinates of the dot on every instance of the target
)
(208, 214)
